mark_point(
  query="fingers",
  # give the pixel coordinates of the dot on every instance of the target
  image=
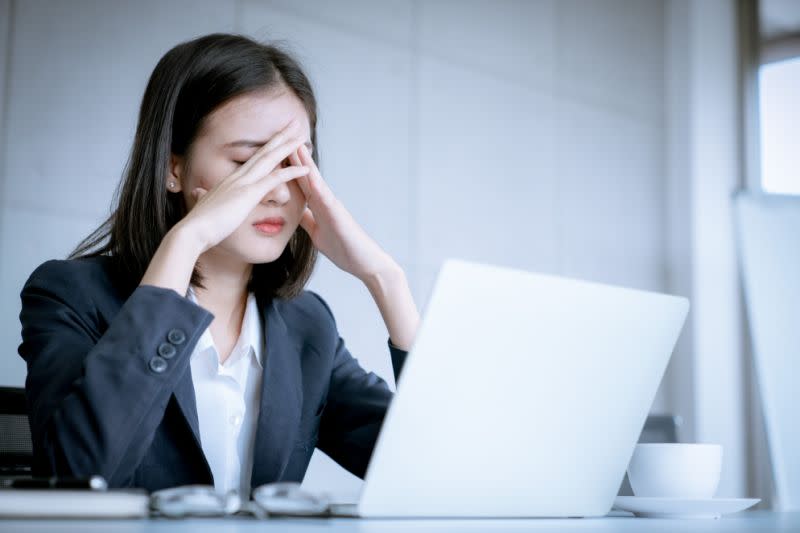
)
(281, 137)
(197, 193)
(291, 130)
(294, 158)
(305, 187)
(314, 179)
(289, 173)
(278, 176)
(307, 222)
(302, 181)
(304, 156)
(267, 163)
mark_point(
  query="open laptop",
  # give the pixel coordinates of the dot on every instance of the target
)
(523, 396)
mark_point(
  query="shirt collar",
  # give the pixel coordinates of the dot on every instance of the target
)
(252, 334)
(251, 337)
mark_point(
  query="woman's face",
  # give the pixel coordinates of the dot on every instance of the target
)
(229, 137)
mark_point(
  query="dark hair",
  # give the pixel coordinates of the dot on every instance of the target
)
(189, 82)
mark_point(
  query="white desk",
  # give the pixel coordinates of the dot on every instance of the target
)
(745, 521)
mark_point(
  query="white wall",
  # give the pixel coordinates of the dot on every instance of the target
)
(73, 98)
(524, 133)
(707, 375)
(5, 51)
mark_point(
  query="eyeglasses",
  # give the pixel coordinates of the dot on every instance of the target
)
(279, 498)
(194, 500)
(288, 498)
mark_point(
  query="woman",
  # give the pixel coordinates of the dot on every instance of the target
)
(176, 345)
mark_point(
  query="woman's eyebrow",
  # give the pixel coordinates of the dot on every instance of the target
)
(257, 144)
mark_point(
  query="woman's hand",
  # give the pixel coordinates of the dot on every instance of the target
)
(332, 228)
(219, 211)
(336, 234)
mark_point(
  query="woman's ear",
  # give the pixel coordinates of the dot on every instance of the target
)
(176, 165)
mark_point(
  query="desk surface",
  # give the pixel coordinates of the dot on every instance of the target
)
(745, 521)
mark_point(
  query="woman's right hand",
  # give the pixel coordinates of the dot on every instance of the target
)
(219, 211)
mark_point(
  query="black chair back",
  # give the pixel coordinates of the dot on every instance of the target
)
(16, 448)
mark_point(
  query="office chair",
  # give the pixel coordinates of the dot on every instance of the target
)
(657, 428)
(16, 449)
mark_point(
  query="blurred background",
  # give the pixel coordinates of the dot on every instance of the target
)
(598, 139)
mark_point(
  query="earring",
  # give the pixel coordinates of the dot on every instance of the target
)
(171, 184)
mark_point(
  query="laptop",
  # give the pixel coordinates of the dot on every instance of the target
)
(523, 396)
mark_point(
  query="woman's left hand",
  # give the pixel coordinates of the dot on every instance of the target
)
(332, 228)
(336, 234)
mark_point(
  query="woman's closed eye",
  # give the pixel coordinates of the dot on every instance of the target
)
(285, 163)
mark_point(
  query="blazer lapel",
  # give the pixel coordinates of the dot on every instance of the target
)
(281, 399)
(184, 395)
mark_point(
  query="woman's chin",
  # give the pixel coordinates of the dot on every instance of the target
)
(262, 257)
(255, 251)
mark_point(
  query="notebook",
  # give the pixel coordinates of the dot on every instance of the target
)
(66, 503)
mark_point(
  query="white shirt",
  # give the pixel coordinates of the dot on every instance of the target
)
(227, 397)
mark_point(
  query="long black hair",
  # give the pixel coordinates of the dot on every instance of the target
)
(189, 82)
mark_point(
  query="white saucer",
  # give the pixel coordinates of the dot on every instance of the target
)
(682, 507)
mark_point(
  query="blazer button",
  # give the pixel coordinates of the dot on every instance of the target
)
(167, 351)
(158, 364)
(176, 336)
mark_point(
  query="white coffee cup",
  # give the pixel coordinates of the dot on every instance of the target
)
(675, 470)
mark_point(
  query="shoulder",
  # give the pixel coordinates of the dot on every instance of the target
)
(307, 306)
(310, 318)
(83, 269)
(82, 278)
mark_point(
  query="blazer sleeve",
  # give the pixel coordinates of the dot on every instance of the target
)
(355, 407)
(95, 399)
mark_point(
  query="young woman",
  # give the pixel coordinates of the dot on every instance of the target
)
(176, 345)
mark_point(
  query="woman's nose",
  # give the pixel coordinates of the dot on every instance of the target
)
(279, 195)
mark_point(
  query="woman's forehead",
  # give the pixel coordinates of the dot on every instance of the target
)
(255, 117)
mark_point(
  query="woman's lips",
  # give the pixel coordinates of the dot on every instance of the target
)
(270, 226)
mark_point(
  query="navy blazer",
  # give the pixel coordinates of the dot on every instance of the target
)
(110, 391)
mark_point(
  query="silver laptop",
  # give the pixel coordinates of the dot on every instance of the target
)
(523, 396)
